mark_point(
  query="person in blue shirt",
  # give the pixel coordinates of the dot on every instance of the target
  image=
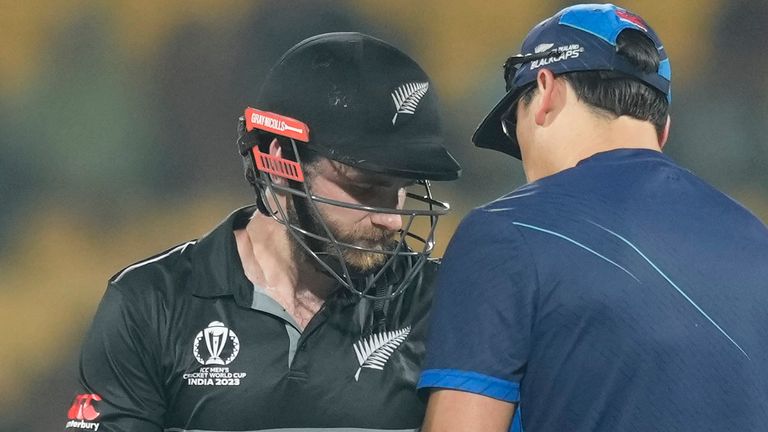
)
(615, 291)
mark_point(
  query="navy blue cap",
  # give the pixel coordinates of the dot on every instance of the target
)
(578, 38)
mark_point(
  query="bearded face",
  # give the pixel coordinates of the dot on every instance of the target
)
(371, 237)
(349, 222)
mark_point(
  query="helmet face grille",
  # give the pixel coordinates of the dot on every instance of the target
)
(403, 258)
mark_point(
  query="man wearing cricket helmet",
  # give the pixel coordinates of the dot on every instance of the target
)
(307, 310)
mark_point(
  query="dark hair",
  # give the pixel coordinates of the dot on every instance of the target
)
(614, 94)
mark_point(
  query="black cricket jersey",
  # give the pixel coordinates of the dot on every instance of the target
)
(184, 341)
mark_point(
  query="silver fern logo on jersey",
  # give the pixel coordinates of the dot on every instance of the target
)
(374, 351)
(407, 98)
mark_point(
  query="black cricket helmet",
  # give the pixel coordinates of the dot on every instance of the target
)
(359, 101)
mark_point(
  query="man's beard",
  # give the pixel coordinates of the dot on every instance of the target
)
(301, 214)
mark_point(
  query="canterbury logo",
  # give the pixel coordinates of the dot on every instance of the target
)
(407, 97)
(374, 351)
(82, 409)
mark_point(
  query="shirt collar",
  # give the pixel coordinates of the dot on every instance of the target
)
(216, 267)
(616, 155)
(217, 270)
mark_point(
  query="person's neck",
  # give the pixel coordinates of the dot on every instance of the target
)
(587, 135)
(268, 260)
(622, 133)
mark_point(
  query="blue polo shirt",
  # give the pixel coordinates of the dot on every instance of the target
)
(624, 294)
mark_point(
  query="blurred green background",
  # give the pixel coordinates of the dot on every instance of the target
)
(117, 123)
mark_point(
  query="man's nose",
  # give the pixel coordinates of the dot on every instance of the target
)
(387, 221)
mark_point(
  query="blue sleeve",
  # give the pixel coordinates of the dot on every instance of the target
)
(479, 337)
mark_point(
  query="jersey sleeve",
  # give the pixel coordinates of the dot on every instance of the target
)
(120, 385)
(479, 336)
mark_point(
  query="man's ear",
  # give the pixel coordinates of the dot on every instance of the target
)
(665, 132)
(548, 94)
(275, 150)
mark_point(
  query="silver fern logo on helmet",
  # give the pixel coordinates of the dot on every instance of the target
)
(407, 97)
(374, 351)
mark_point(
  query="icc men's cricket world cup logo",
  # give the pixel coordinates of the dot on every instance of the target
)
(220, 342)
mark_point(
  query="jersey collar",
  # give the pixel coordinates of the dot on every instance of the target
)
(216, 267)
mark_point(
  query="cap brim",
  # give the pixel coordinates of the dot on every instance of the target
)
(415, 159)
(490, 134)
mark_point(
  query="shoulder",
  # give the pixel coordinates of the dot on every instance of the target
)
(724, 206)
(489, 249)
(136, 299)
(490, 226)
(157, 274)
(540, 197)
